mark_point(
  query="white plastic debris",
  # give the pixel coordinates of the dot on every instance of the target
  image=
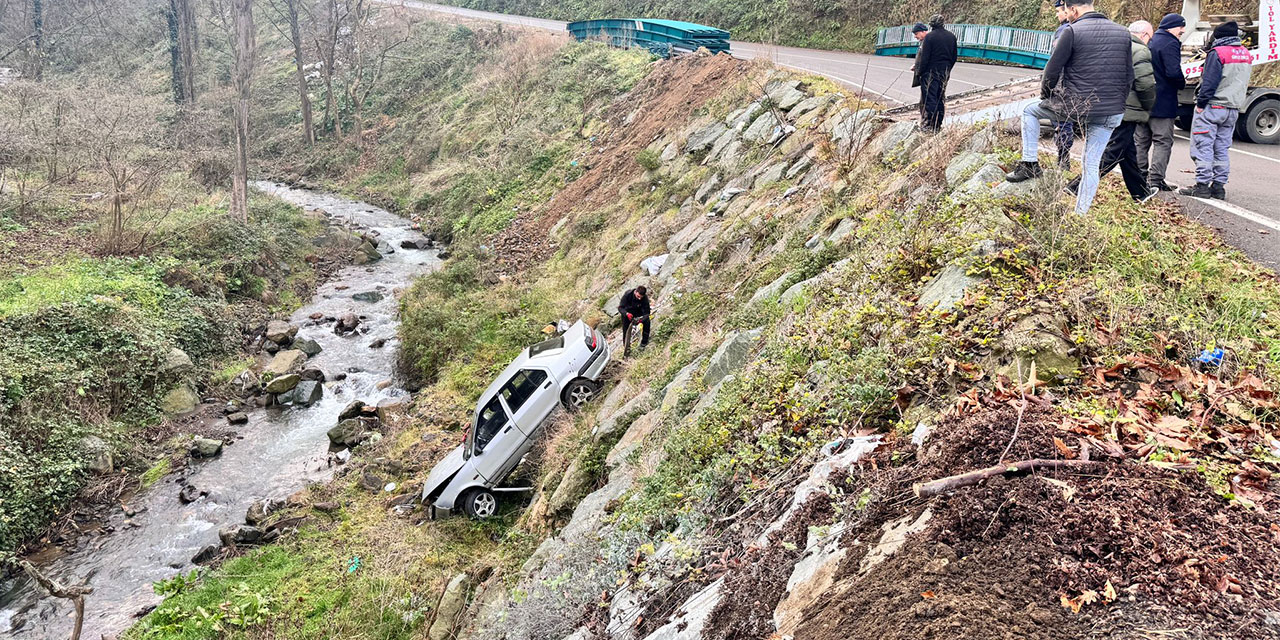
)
(653, 264)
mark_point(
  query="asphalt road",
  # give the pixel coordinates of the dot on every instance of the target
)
(1249, 219)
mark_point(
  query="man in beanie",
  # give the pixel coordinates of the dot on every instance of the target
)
(1223, 87)
(1154, 138)
(937, 55)
(919, 31)
(1087, 81)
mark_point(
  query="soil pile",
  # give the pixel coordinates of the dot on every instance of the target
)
(1120, 550)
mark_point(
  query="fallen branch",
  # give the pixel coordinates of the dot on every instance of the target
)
(74, 593)
(951, 483)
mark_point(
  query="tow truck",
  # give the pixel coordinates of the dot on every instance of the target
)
(1260, 117)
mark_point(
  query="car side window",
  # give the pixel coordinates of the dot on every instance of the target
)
(489, 423)
(521, 387)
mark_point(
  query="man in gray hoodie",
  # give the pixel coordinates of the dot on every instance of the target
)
(1223, 88)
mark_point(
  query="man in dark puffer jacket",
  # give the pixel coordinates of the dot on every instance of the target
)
(1087, 80)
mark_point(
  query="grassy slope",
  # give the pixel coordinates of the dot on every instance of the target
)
(1164, 281)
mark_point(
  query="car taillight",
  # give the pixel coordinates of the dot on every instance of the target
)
(591, 340)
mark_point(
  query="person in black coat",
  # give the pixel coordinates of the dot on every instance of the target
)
(1155, 136)
(634, 309)
(937, 55)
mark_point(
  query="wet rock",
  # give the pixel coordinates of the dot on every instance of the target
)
(444, 254)
(271, 347)
(383, 384)
(367, 296)
(367, 253)
(245, 383)
(232, 406)
(378, 344)
(205, 447)
(349, 433)
(451, 605)
(305, 394)
(340, 376)
(258, 510)
(316, 316)
(177, 364)
(417, 244)
(352, 410)
(98, 454)
(307, 346)
(189, 493)
(281, 332)
(281, 384)
(240, 534)
(388, 407)
(285, 362)
(313, 374)
(731, 356)
(347, 323)
(238, 417)
(206, 554)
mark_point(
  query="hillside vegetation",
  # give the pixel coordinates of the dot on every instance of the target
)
(844, 311)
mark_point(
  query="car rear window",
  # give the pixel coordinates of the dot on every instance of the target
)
(546, 345)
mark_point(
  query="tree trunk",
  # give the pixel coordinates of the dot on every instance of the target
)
(175, 54)
(242, 20)
(37, 38)
(185, 16)
(308, 131)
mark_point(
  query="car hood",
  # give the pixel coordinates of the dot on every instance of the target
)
(443, 472)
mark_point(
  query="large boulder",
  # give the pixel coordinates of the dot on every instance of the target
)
(352, 410)
(762, 129)
(180, 400)
(702, 141)
(281, 384)
(281, 332)
(445, 625)
(304, 394)
(948, 288)
(177, 364)
(349, 433)
(97, 455)
(367, 296)
(366, 253)
(284, 362)
(731, 356)
(241, 535)
(784, 94)
(307, 346)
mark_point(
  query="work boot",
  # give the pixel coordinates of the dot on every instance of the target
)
(1218, 190)
(1024, 171)
(1201, 190)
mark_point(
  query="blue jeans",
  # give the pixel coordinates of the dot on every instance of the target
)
(1097, 132)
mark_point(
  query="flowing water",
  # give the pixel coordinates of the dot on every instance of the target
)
(281, 450)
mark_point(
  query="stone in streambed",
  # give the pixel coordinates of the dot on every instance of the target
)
(207, 554)
(240, 534)
(238, 417)
(307, 346)
(348, 433)
(206, 447)
(367, 296)
(352, 410)
(285, 362)
(305, 394)
(281, 384)
(314, 375)
(281, 332)
(347, 323)
(420, 244)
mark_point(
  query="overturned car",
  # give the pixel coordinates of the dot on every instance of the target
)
(509, 416)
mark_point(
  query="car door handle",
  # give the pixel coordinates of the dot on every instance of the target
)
(547, 385)
(507, 429)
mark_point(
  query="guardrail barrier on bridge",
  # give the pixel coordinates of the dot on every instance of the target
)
(1026, 47)
(662, 37)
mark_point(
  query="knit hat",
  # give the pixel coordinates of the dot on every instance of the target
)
(920, 26)
(1226, 30)
(937, 21)
(1172, 21)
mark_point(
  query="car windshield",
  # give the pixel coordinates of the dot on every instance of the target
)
(488, 422)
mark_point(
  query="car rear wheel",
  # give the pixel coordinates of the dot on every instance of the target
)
(578, 394)
(480, 504)
(1262, 122)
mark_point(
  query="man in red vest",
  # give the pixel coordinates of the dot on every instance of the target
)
(1223, 88)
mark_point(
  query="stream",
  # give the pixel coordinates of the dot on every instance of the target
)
(280, 450)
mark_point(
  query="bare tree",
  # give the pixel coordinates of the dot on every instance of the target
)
(182, 42)
(243, 44)
(120, 138)
(512, 80)
(37, 39)
(335, 15)
(291, 10)
(367, 50)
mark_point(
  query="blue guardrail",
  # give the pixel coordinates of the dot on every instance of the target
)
(662, 37)
(1026, 47)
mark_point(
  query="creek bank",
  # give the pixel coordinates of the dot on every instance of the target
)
(278, 442)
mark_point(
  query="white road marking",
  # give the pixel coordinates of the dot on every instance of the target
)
(1241, 212)
(1235, 150)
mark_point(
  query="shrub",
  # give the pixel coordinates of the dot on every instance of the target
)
(648, 159)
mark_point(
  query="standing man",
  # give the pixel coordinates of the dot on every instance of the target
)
(1222, 92)
(919, 31)
(1087, 80)
(634, 309)
(937, 55)
(1137, 108)
(1155, 136)
(1064, 133)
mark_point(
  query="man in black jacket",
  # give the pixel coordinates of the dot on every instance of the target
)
(634, 308)
(1156, 135)
(934, 61)
(1087, 80)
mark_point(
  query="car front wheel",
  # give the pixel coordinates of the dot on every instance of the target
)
(480, 504)
(578, 394)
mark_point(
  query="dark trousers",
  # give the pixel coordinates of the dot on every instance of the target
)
(933, 102)
(644, 328)
(1122, 152)
(1064, 135)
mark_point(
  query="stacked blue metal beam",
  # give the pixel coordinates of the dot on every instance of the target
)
(662, 37)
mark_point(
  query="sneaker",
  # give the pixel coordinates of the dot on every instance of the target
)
(1151, 193)
(1024, 171)
(1164, 186)
(1201, 190)
(1218, 190)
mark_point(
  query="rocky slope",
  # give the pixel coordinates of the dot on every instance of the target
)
(845, 310)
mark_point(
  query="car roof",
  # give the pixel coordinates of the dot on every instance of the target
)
(523, 360)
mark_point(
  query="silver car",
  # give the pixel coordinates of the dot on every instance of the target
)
(509, 416)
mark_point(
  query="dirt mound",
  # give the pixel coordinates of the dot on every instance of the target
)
(661, 104)
(1118, 551)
